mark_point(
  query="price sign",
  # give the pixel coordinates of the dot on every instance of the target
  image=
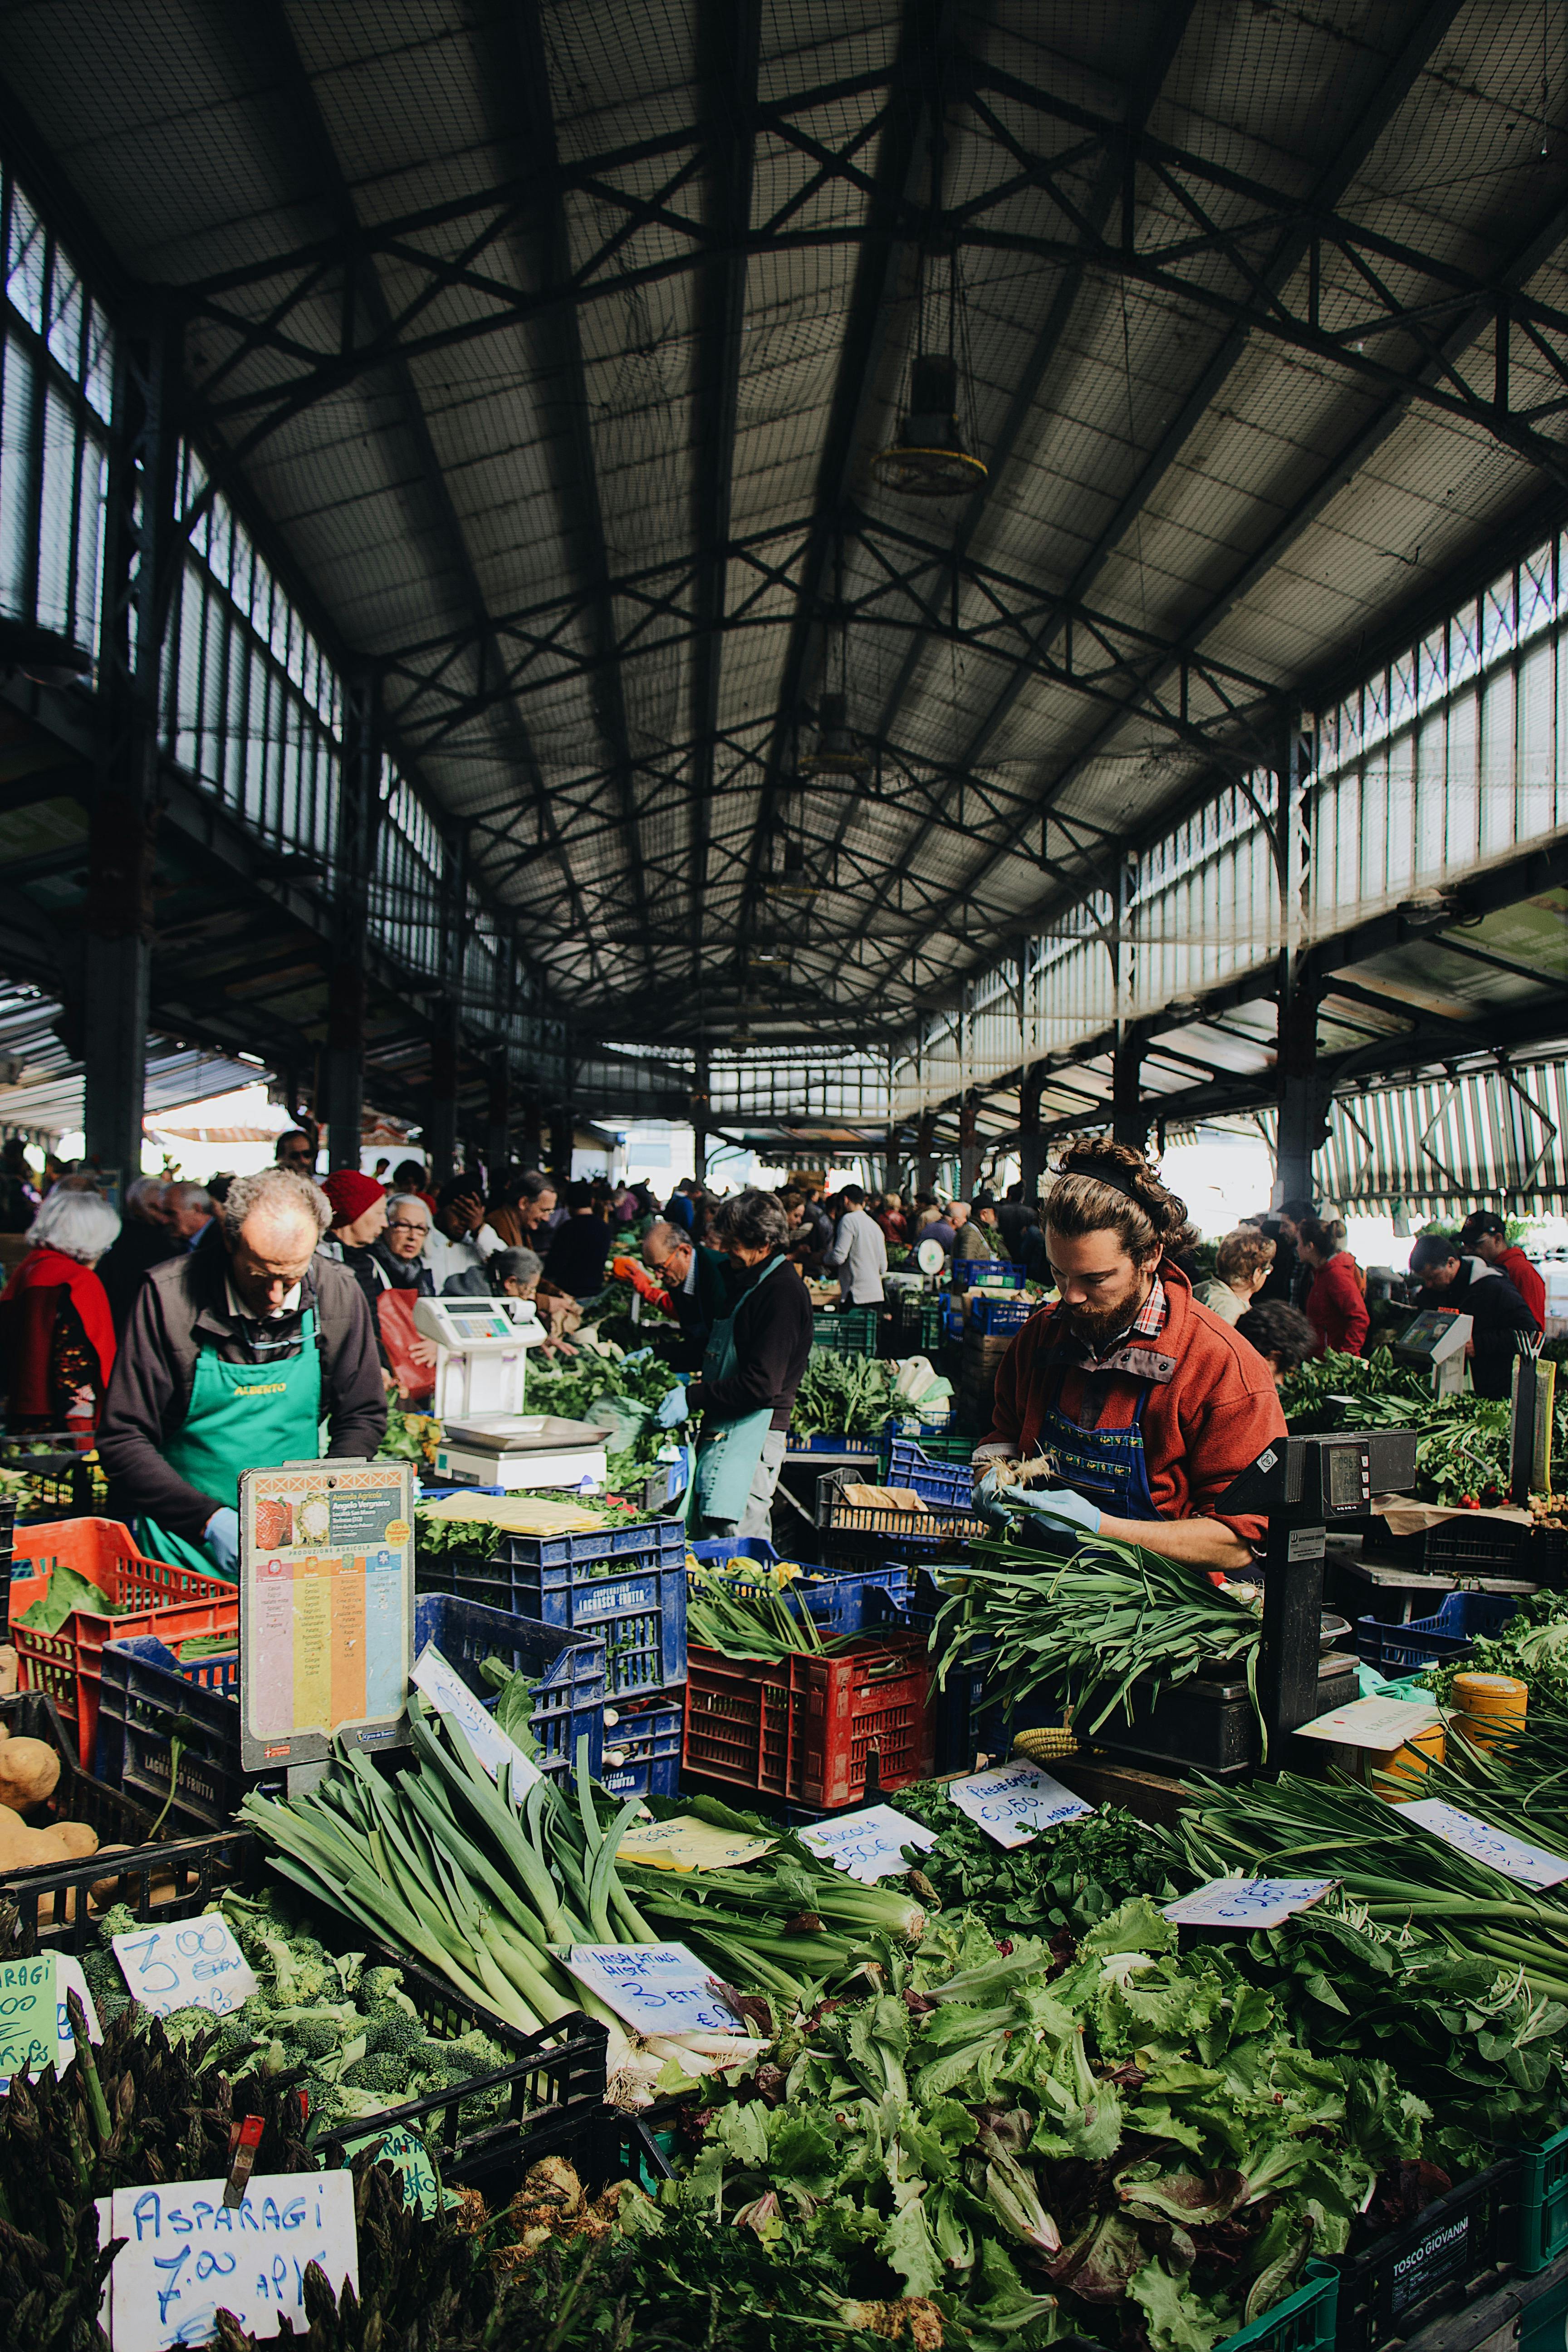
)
(687, 1843)
(188, 2255)
(1247, 1903)
(449, 1694)
(1531, 1865)
(1377, 1723)
(1014, 1802)
(185, 1964)
(654, 1988)
(410, 2159)
(869, 1845)
(34, 2024)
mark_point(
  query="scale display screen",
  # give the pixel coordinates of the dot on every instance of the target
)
(1421, 1336)
(1346, 1483)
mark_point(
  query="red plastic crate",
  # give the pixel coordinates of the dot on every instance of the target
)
(150, 1595)
(802, 1729)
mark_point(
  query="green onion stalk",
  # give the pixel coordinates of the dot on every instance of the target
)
(758, 1624)
(443, 1864)
(784, 1931)
(1083, 1630)
(1400, 1871)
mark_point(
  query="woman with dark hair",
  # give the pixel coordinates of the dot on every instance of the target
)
(751, 1371)
(1281, 1335)
(580, 1246)
(1144, 1408)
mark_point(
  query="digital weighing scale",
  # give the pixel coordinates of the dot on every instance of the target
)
(487, 1438)
(1435, 1341)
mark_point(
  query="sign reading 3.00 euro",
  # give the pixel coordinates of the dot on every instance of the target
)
(326, 1608)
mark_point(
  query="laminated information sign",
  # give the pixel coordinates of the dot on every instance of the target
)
(326, 1608)
(449, 1694)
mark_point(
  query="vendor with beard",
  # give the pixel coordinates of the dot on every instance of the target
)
(1148, 1404)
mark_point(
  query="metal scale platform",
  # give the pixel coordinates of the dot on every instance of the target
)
(487, 1438)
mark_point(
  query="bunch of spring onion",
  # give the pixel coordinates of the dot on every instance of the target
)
(785, 1928)
(750, 1617)
(1400, 1871)
(1082, 1631)
(444, 1864)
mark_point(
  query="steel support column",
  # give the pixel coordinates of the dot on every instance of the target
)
(117, 960)
(498, 1130)
(968, 1145)
(563, 1130)
(925, 1153)
(1129, 1114)
(343, 1065)
(1304, 1091)
(1031, 1143)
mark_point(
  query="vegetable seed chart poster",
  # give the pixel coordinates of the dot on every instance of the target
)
(326, 1608)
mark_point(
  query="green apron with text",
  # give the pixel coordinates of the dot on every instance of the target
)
(241, 1417)
(727, 1459)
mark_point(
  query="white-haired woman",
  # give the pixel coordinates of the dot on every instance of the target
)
(56, 1335)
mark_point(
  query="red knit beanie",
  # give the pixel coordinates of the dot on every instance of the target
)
(350, 1194)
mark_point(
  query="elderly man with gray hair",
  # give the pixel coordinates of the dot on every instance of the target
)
(751, 1368)
(233, 1358)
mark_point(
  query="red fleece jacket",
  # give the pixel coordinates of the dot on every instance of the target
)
(1527, 1282)
(1211, 1407)
(1336, 1307)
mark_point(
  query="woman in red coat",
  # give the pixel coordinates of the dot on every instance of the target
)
(1336, 1304)
(56, 1335)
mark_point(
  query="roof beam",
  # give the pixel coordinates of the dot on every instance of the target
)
(1389, 85)
(729, 37)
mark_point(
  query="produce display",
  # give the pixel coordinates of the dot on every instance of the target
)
(740, 1608)
(850, 1396)
(1461, 1447)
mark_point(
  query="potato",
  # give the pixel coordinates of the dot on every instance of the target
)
(23, 1849)
(78, 1840)
(29, 1772)
(8, 1669)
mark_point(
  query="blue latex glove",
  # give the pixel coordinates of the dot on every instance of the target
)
(673, 1409)
(220, 1537)
(1058, 1506)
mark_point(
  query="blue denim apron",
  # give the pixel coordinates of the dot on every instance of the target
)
(1105, 1467)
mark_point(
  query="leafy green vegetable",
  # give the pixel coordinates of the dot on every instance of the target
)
(1066, 1880)
(841, 1395)
(65, 1592)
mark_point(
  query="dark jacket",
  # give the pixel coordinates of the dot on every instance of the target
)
(136, 1248)
(1499, 1314)
(697, 1309)
(773, 1340)
(577, 1254)
(182, 1306)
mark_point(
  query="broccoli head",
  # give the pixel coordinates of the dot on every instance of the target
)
(118, 1920)
(382, 1984)
(318, 2034)
(394, 2029)
(382, 2071)
(471, 2054)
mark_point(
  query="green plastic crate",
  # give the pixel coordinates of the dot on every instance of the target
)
(1543, 2205)
(1304, 2322)
(852, 1333)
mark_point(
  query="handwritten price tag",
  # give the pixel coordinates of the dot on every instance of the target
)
(449, 1694)
(654, 1988)
(1377, 1723)
(187, 2256)
(410, 2159)
(1247, 1903)
(1014, 1802)
(687, 1843)
(35, 2025)
(187, 1964)
(1531, 1865)
(869, 1845)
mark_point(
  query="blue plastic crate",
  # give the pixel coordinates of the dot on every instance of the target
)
(145, 1691)
(1007, 1313)
(1428, 1641)
(847, 1601)
(829, 1442)
(636, 1604)
(987, 1274)
(566, 1670)
(951, 1483)
(556, 1556)
(733, 1548)
(642, 1750)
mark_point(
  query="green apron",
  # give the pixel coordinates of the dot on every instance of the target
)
(727, 1460)
(241, 1417)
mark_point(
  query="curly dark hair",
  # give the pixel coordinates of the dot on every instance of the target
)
(1106, 1187)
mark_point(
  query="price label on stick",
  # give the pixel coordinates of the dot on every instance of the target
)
(654, 1988)
(449, 1694)
(35, 2023)
(1247, 1903)
(187, 2256)
(867, 1845)
(1014, 1802)
(185, 1964)
(410, 2159)
(1531, 1865)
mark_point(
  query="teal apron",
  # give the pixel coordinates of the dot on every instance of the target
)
(727, 1459)
(241, 1417)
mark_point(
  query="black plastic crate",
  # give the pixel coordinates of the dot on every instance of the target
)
(1469, 1545)
(144, 1691)
(555, 2084)
(77, 1797)
(1208, 1724)
(172, 1880)
(1458, 2249)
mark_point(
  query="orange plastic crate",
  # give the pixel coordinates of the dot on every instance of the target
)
(803, 1728)
(150, 1596)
